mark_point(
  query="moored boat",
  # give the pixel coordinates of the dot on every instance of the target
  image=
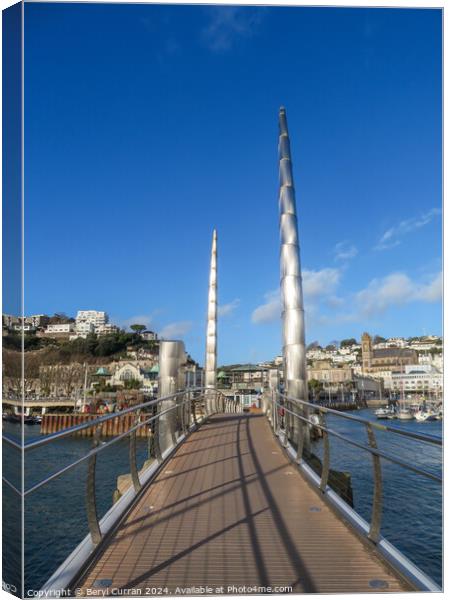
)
(404, 414)
(385, 412)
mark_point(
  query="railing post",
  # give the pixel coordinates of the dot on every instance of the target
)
(286, 422)
(183, 412)
(376, 512)
(193, 409)
(300, 439)
(156, 438)
(326, 459)
(91, 505)
(275, 414)
(132, 458)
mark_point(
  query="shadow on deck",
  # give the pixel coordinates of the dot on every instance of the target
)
(230, 511)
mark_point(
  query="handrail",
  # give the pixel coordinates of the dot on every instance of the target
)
(424, 437)
(291, 406)
(369, 449)
(105, 445)
(186, 421)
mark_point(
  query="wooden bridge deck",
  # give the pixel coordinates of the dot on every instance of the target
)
(229, 509)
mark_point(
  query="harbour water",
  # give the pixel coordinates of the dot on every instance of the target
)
(55, 520)
(412, 503)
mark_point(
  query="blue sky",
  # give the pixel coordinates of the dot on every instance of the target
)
(148, 126)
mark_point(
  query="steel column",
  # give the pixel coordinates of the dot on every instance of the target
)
(294, 350)
(211, 334)
(171, 356)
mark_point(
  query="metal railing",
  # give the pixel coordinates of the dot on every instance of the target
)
(290, 420)
(189, 409)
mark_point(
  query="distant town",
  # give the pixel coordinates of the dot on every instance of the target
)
(86, 357)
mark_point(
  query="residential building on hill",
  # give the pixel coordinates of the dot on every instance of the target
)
(59, 329)
(96, 317)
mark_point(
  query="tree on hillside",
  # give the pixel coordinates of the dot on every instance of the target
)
(315, 388)
(138, 328)
(314, 345)
(348, 342)
(60, 317)
(378, 339)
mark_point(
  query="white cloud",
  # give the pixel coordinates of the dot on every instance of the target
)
(396, 289)
(227, 309)
(432, 291)
(345, 251)
(176, 329)
(228, 23)
(320, 283)
(317, 285)
(390, 238)
(270, 310)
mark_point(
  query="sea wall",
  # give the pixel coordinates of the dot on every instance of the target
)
(53, 422)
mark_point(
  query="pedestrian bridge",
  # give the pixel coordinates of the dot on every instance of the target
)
(234, 503)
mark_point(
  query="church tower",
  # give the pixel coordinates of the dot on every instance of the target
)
(367, 352)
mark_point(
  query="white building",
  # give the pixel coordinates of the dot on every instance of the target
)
(397, 342)
(436, 360)
(106, 329)
(96, 317)
(60, 328)
(417, 378)
(91, 321)
(36, 320)
(149, 335)
(83, 328)
(425, 345)
(25, 327)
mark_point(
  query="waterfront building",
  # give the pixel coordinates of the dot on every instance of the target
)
(392, 359)
(325, 371)
(421, 379)
(126, 372)
(243, 377)
(243, 383)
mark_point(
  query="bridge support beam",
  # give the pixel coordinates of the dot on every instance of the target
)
(211, 333)
(294, 351)
(171, 357)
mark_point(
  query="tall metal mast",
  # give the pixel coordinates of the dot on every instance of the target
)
(294, 351)
(211, 335)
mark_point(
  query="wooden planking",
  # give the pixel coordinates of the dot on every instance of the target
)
(229, 509)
